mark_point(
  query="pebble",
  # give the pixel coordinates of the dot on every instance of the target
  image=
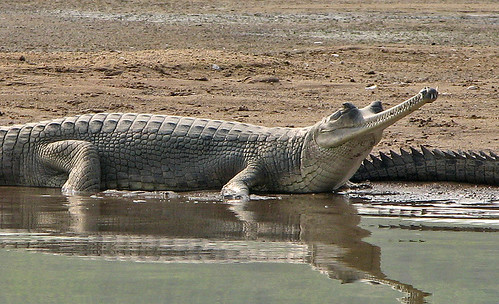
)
(472, 87)
(269, 79)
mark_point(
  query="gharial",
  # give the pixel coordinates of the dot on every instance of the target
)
(91, 152)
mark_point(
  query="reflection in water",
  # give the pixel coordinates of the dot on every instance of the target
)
(320, 230)
(442, 201)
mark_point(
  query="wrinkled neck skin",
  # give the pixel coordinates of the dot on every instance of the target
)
(335, 147)
(327, 169)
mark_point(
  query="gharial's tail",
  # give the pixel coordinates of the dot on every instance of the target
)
(435, 165)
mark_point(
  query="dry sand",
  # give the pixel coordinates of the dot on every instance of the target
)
(275, 63)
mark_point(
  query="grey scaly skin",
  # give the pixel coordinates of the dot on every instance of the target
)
(92, 152)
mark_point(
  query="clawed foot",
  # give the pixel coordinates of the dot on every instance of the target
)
(70, 191)
(355, 186)
(233, 193)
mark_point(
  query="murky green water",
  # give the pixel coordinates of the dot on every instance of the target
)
(366, 247)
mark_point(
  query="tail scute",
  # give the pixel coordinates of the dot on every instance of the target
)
(424, 164)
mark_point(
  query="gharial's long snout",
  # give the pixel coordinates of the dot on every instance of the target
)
(374, 120)
(388, 117)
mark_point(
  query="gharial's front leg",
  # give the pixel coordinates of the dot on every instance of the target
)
(238, 187)
(75, 163)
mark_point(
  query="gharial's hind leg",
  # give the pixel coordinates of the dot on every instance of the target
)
(77, 160)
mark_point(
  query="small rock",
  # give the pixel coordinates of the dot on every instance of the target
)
(271, 79)
(265, 79)
(371, 87)
(201, 79)
(22, 58)
(111, 73)
(180, 93)
(371, 73)
(472, 87)
(215, 67)
(74, 102)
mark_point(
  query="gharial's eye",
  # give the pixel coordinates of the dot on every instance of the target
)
(336, 115)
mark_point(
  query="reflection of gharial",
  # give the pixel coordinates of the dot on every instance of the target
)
(292, 230)
(154, 152)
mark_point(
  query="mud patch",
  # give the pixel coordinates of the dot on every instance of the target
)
(431, 205)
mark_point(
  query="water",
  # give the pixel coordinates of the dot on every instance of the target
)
(394, 244)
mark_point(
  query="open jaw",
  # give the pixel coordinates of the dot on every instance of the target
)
(330, 136)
